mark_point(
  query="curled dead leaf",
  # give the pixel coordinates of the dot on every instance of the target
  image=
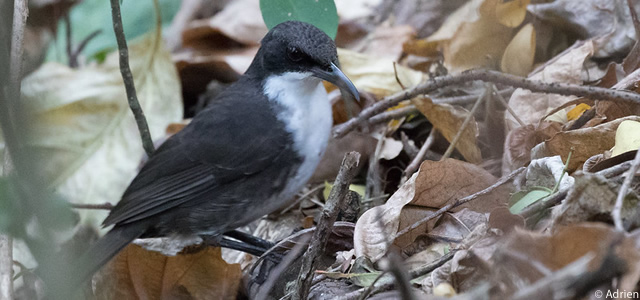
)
(448, 119)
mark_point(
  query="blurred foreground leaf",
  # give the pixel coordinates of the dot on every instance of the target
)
(321, 13)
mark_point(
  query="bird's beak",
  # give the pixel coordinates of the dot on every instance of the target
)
(335, 76)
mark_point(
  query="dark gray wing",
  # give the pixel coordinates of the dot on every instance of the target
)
(236, 136)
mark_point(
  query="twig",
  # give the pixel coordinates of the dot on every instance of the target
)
(415, 163)
(365, 292)
(544, 203)
(373, 185)
(486, 76)
(323, 229)
(9, 93)
(395, 72)
(106, 206)
(73, 61)
(282, 266)
(394, 266)
(393, 114)
(74, 54)
(461, 201)
(411, 109)
(616, 213)
(6, 267)
(430, 267)
(557, 197)
(301, 198)
(413, 273)
(127, 77)
(506, 104)
(463, 126)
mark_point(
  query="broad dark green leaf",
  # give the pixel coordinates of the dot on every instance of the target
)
(321, 13)
(138, 17)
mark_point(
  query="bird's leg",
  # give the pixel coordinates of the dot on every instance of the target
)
(249, 239)
(221, 241)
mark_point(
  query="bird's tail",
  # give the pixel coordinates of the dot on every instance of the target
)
(98, 255)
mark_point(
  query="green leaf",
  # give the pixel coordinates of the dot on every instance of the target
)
(523, 199)
(321, 13)
(138, 18)
(358, 188)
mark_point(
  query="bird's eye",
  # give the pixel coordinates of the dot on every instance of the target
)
(330, 68)
(294, 54)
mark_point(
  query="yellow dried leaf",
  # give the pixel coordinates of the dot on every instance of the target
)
(627, 137)
(511, 13)
(377, 75)
(577, 111)
(519, 54)
(447, 119)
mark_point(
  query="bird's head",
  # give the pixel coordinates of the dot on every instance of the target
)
(299, 47)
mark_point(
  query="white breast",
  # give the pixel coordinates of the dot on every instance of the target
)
(307, 116)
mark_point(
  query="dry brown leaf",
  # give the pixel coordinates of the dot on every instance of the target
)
(441, 182)
(84, 127)
(519, 54)
(240, 21)
(511, 13)
(386, 41)
(530, 107)
(584, 142)
(521, 258)
(447, 119)
(138, 273)
(455, 226)
(501, 218)
(479, 43)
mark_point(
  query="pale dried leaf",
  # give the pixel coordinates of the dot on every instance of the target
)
(83, 125)
(519, 54)
(530, 107)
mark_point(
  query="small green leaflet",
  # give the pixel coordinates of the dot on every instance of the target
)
(523, 199)
(321, 13)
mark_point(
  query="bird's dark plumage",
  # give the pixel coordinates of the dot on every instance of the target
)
(252, 146)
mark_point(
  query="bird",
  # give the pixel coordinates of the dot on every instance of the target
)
(243, 156)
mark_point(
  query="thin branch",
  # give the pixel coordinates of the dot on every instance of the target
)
(464, 125)
(461, 201)
(74, 54)
(415, 163)
(9, 93)
(486, 76)
(413, 273)
(105, 206)
(73, 61)
(395, 267)
(127, 77)
(6, 267)
(506, 104)
(555, 198)
(323, 229)
(544, 203)
(283, 265)
(393, 114)
(616, 213)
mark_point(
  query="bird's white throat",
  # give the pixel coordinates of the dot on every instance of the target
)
(307, 116)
